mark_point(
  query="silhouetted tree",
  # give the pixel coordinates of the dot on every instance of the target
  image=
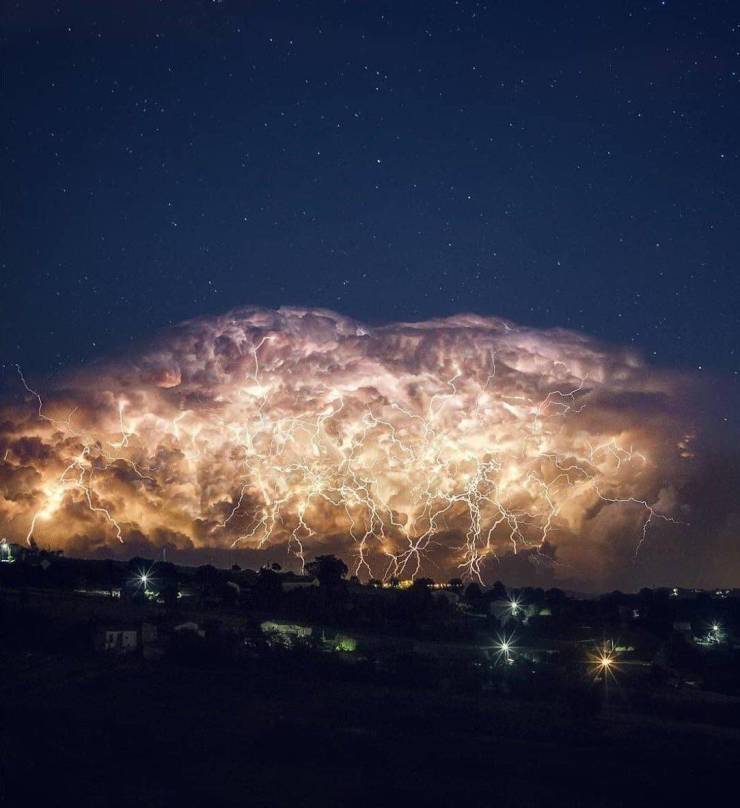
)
(328, 569)
(230, 593)
(207, 579)
(681, 655)
(423, 583)
(555, 598)
(474, 595)
(498, 591)
(109, 576)
(268, 589)
(138, 564)
(164, 580)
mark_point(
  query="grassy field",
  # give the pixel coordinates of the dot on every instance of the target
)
(97, 732)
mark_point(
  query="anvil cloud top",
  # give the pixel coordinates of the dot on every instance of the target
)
(567, 163)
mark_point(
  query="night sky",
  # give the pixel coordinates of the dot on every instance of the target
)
(569, 164)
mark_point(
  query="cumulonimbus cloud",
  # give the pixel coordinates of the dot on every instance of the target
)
(450, 446)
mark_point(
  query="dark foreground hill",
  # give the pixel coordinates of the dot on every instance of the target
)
(92, 731)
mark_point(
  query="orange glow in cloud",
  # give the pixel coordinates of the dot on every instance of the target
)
(460, 440)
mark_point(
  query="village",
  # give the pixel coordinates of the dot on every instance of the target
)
(240, 672)
(525, 641)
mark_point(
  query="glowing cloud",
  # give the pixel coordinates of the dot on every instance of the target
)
(451, 442)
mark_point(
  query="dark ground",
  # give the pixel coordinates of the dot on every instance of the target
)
(99, 732)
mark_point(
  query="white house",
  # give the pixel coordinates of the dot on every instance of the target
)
(117, 640)
(190, 626)
(290, 581)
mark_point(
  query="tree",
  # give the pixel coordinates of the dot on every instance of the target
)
(109, 576)
(473, 594)
(681, 655)
(208, 579)
(165, 576)
(423, 583)
(498, 591)
(269, 589)
(417, 599)
(328, 569)
(230, 593)
(137, 564)
(555, 597)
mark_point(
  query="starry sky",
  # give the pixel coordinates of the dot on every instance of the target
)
(570, 164)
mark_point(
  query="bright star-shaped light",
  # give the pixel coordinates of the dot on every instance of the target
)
(504, 648)
(144, 578)
(605, 660)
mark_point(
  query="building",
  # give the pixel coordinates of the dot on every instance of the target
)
(683, 627)
(116, 640)
(287, 635)
(7, 554)
(190, 627)
(289, 581)
(453, 598)
(511, 610)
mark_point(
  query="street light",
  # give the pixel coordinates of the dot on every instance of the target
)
(504, 648)
(605, 662)
(143, 578)
(715, 635)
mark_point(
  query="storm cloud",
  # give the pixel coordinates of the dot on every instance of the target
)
(467, 445)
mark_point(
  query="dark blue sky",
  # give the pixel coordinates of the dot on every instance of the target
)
(567, 164)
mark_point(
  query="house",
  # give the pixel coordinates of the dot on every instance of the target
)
(116, 640)
(680, 593)
(152, 644)
(506, 610)
(8, 552)
(628, 613)
(285, 634)
(289, 581)
(453, 598)
(189, 626)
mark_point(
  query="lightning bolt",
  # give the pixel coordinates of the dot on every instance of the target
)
(451, 452)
